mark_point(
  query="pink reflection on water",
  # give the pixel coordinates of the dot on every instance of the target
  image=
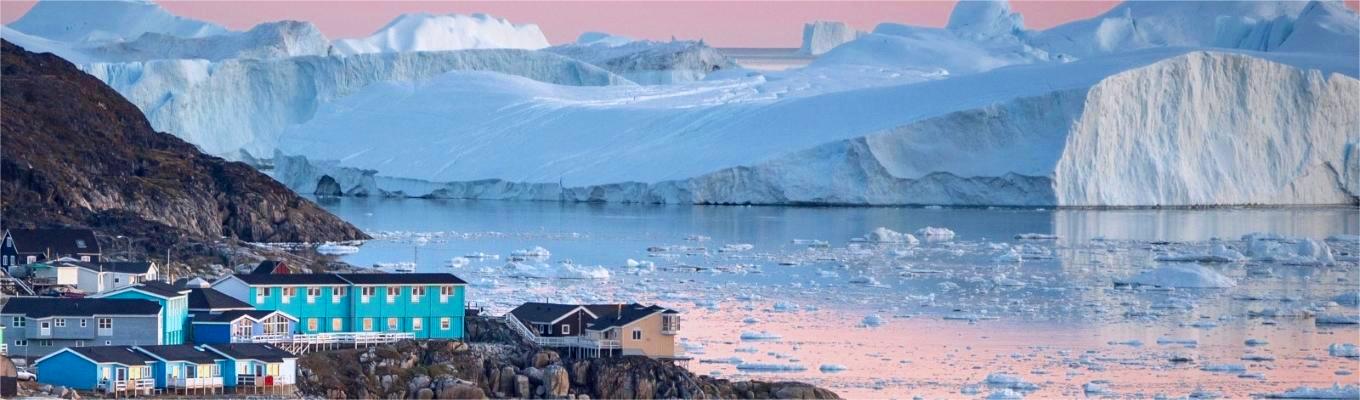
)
(937, 358)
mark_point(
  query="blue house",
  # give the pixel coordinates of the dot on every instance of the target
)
(253, 367)
(108, 369)
(174, 306)
(421, 305)
(239, 326)
(185, 368)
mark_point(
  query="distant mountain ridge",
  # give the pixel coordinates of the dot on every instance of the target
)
(76, 153)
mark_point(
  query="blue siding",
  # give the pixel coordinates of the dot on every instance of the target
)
(211, 333)
(158, 370)
(69, 370)
(228, 369)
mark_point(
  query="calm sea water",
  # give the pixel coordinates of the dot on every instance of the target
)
(932, 319)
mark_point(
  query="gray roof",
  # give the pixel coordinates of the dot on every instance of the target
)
(541, 312)
(232, 315)
(356, 279)
(617, 315)
(181, 352)
(251, 351)
(160, 289)
(43, 307)
(212, 299)
(114, 354)
(59, 240)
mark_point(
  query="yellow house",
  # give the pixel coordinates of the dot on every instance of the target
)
(600, 329)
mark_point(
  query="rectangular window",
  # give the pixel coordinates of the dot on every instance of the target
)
(105, 326)
(365, 293)
(18, 322)
(445, 323)
(444, 293)
(312, 294)
(337, 325)
(261, 294)
(392, 324)
(368, 324)
(416, 293)
(82, 323)
(336, 294)
(61, 322)
(20, 343)
(32, 259)
(392, 293)
(566, 329)
(637, 334)
(287, 294)
(80, 343)
(312, 324)
(45, 343)
(417, 324)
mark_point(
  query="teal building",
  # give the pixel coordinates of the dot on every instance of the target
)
(174, 306)
(428, 305)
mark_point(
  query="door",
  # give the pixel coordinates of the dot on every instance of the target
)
(120, 374)
(45, 328)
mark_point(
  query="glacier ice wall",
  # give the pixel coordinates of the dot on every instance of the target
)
(822, 36)
(239, 104)
(1196, 129)
(1205, 129)
(431, 32)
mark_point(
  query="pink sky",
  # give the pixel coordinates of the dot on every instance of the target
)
(721, 23)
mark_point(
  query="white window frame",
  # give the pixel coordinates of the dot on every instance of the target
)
(368, 324)
(637, 334)
(18, 322)
(392, 293)
(20, 342)
(366, 293)
(566, 329)
(445, 323)
(312, 293)
(393, 324)
(313, 324)
(416, 293)
(337, 324)
(337, 292)
(32, 259)
(60, 323)
(261, 294)
(444, 293)
(83, 323)
(105, 326)
(286, 294)
(417, 323)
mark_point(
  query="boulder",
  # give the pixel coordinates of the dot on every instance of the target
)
(425, 394)
(546, 357)
(522, 388)
(461, 391)
(558, 382)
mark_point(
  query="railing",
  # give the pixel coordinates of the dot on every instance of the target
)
(144, 384)
(358, 338)
(195, 383)
(4, 349)
(560, 341)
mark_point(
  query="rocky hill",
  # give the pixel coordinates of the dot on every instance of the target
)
(74, 152)
(497, 364)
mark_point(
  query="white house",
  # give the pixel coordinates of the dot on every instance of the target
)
(91, 277)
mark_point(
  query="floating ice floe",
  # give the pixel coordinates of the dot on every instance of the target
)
(782, 306)
(1350, 299)
(1164, 341)
(736, 247)
(1009, 381)
(866, 281)
(1005, 394)
(761, 335)
(1230, 368)
(537, 252)
(830, 368)
(1036, 236)
(1098, 388)
(459, 262)
(933, 233)
(481, 255)
(643, 264)
(1337, 319)
(814, 243)
(728, 360)
(334, 249)
(873, 320)
(771, 367)
(1180, 276)
(560, 271)
(1343, 350)
(750, 320)
(885, 235)
(1218, 253)
(698, 238)
(1337, 391)
(400, 267)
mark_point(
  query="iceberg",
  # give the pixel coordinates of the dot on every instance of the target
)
(430, 32)
(107, 21)
(647, 62)
(1180, 276)
(822, 36)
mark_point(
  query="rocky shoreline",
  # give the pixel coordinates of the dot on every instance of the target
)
(495, 363)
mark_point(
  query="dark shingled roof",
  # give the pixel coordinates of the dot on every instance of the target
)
(122, 267)
(160, 289)
(611, 315)
(403, 279)
(228, 316)
(125, 355)
(42, 307)
(265, 267)
(292, 279)
(181, 352)
(541, 312)
(61, 241)
(252, 351)
(211, 299)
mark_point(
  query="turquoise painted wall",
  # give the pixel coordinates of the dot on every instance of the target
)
(347, 303)
(68, 370)
(174, 313)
